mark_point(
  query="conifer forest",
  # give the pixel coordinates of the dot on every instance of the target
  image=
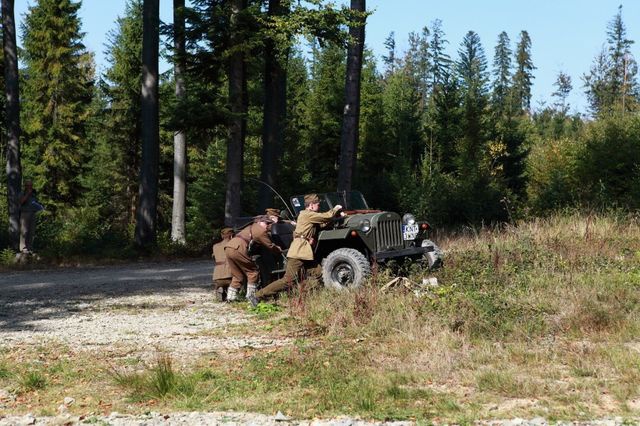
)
(128, 158)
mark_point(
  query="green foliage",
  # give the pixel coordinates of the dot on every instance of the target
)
(81, 231)
(57, 92)
(551, 167)
(609, 165)
(111, 180)
(266, 310)
(323, 113)
(7, 256)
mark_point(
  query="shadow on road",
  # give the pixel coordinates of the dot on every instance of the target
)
(29, 296)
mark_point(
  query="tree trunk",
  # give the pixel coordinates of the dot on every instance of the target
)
(238, 120)
(179, 137)
(351, 113)
(148, 189)
(14, 169)
(275, 108)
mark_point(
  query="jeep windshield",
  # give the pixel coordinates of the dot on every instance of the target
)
(353, 200)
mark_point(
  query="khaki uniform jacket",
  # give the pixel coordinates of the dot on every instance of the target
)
(258, 233)
(221, 270)
(305, 231)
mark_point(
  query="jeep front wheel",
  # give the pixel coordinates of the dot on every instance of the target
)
(345, 268)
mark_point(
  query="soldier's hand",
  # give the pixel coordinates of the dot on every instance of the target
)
(338, 207)
(342, 214)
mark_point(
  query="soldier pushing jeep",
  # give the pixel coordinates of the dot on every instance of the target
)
(300, 253)
(239, 259)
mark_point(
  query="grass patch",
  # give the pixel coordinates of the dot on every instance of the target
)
(33, 380)
(4, 371)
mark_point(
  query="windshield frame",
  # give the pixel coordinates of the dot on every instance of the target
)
(349, 200)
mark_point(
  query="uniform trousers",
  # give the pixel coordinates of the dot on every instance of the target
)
(291, 275)
(240, 266)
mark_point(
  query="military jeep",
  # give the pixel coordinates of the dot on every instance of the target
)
(349, 246)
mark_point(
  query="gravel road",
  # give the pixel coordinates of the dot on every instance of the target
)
(135, 309)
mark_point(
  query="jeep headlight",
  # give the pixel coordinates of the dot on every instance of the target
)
(408, 219)
(365, 225)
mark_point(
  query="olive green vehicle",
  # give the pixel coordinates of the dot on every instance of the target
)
(349, 247)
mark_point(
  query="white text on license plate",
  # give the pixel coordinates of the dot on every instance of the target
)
(410, 232)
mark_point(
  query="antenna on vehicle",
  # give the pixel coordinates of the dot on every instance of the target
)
(275, 192)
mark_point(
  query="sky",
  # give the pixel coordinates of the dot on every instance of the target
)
(566, 34)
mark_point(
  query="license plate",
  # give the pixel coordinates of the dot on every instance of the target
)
(410, 232)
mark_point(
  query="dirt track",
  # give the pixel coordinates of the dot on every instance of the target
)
(131, 309)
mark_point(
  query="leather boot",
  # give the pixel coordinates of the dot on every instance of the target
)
(220, 294)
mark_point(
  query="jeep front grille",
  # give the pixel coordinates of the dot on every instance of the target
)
(389, 234)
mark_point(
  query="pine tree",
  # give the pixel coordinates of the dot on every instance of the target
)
(472, 72)
(389, 59)
(563, 88)
(11, 112)
(440, 61)
(237, 126)
(323, 111)
(179, 137)
(611, 84)
(57, 93)
(146, 215)
(502, 74)
(351, 112)
(523, 77)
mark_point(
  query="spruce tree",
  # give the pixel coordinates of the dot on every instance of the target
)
(389, 59)
(611, 84)
(57, 93)
(472, 73)
(563, 88)
(523, 77)
(501, 74)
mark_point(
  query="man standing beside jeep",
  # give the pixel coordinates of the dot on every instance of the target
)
(300, 253)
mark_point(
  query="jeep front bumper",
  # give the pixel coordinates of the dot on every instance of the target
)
(406, 252)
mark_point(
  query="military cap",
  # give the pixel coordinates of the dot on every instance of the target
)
(226, 231)
(272, 212)
(262, 218)
(311, 199)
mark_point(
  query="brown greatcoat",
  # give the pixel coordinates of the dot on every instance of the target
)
(240, 263)
(305, 233)
(221, 270)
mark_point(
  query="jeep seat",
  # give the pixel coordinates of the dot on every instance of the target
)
(282, 234)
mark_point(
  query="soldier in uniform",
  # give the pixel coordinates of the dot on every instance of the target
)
(240, 262)
(221, 272)
(300, 253)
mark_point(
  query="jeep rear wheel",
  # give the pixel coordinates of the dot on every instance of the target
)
(345, 268)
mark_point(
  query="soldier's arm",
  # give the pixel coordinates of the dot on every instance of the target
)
(263, 239)
(322, 218)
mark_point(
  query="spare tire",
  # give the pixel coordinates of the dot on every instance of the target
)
(345, 268)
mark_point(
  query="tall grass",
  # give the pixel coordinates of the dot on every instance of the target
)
(536, 319)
